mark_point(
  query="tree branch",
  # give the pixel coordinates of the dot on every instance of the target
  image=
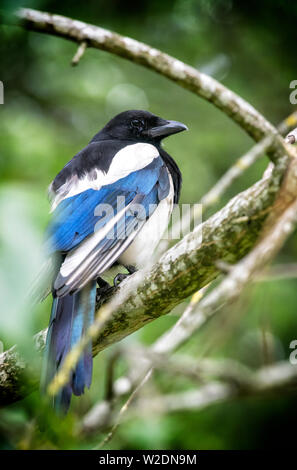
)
(188, 77)
(280, 378)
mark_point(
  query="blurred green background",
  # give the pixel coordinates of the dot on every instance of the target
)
(52, 110)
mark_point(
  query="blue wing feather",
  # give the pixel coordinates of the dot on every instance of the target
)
(74, 219)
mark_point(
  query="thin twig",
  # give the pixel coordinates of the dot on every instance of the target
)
(278, 272)
(79, 53)
(111, 362)
(123, 410)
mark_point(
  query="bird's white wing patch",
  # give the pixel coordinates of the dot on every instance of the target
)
(130, 158)
(127, 160)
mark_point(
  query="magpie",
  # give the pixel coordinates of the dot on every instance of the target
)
(110, 204)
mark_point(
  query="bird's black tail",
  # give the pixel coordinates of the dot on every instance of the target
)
(70, 318)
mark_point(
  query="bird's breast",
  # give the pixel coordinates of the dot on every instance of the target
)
(141, 249)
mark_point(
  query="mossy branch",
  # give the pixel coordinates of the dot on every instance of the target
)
(188, 266)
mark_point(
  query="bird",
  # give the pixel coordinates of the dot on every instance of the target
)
(110, 205)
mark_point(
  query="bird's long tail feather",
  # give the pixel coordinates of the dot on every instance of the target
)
(70, 318)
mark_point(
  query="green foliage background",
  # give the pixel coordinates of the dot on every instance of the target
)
(52, 110)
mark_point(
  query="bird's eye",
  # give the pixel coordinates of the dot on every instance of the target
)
(137, 124)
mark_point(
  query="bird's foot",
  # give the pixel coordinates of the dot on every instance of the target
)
(121, 276)
(131, 269)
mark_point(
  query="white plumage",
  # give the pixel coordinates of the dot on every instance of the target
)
(145, 243)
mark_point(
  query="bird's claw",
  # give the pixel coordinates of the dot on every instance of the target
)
(119, 278)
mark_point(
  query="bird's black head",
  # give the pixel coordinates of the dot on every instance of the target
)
(136, 125)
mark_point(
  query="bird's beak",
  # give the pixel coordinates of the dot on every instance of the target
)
(166, 129)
